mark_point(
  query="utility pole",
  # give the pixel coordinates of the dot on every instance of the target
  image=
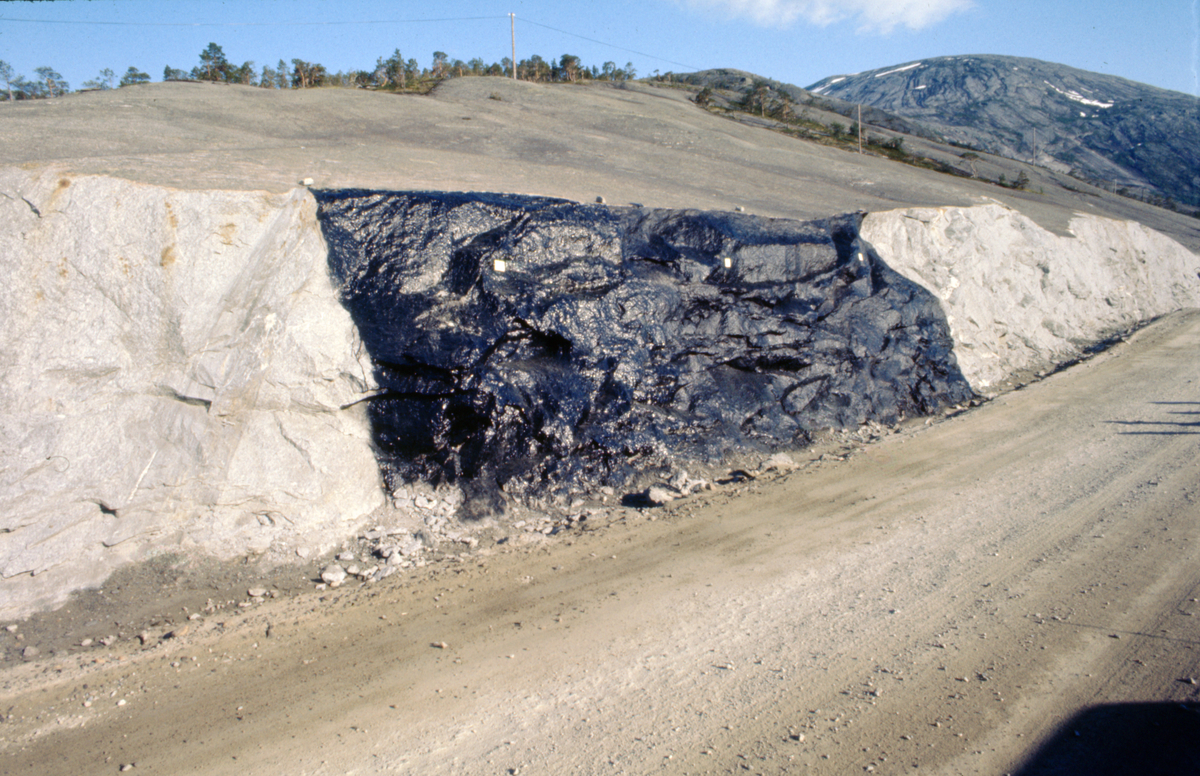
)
(860, 128)
(512, 21)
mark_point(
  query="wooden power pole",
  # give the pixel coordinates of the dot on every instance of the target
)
(512, 22)
(860, 128)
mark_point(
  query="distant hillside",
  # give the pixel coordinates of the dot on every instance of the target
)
(739, 81)
(1120, 133)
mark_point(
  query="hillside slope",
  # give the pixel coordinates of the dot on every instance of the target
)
(1099, 127)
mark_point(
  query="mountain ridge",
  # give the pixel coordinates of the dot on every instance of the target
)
(1130, 137)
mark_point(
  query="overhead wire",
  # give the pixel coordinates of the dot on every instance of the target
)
(344, 22)
(253, 24)
(609, 45)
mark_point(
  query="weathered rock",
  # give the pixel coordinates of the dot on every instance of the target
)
(333, 574)
(616, 340)
(1019, 297)
(173, 371)
(778, 462)
(657, 496)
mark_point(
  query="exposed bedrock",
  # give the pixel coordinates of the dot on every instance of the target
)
(202, 371)
(1019, 297)
(540, 347)
(173, 371)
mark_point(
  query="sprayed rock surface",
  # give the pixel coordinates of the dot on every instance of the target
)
(538, 346)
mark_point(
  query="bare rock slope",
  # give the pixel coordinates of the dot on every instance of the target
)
(175, 367)
(1020, 298)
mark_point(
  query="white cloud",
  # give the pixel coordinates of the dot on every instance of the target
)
(881, 16)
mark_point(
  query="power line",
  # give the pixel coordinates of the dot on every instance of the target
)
(610, 45)
(252, 24)
(345, 23)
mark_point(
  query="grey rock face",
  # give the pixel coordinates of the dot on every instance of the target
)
(1097, 126)
(173, 368)
(533, 345)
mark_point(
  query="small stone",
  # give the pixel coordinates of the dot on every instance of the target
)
(657, 496)
(440, 645)
(194, 616)
(144, 637)
(121, 702)
(108, 641)
(126, 767)
(599, 200)
(346, 556)
(11, 628)
(257, 592)
(177, 633)
(29, 652)
(778, 462)
(333, 574)
(306, 182)
(85, 643)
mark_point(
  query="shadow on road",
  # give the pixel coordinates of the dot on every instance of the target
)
(1147, 739)
(1165, 426)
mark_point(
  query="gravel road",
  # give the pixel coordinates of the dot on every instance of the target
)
(1011, 589)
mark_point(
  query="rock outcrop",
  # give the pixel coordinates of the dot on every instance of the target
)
(240, 372)
(541, 348)
(1021, 298)
(175, 372)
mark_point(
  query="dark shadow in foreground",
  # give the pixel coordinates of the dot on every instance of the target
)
(1147, 739)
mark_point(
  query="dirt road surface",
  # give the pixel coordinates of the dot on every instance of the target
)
(1011, 589)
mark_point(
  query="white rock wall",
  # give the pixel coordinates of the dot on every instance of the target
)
(173, 368)
(1019, 297)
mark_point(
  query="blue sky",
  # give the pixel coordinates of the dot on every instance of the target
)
(797, 41)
